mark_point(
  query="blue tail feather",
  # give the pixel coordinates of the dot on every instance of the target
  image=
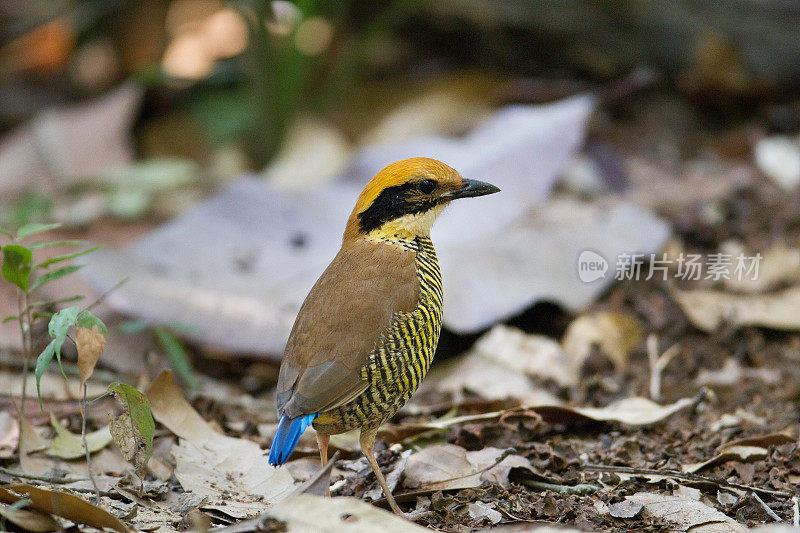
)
(289, 431)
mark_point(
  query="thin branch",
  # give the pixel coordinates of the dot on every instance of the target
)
(103, 296)
(46, 479)
(681, 475)
(766, 507)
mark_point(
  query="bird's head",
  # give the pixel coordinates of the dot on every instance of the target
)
(404, 198)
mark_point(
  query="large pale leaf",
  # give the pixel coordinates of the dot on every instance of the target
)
(238, 267)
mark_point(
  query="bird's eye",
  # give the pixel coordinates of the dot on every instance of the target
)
(427, 186)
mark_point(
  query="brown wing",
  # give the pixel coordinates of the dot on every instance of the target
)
(340, 322)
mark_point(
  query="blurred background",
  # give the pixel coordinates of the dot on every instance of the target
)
(638, 125)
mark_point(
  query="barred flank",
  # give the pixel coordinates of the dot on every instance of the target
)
(404, 354)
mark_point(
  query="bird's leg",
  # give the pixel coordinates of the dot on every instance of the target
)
(322, 441)
(367, 441)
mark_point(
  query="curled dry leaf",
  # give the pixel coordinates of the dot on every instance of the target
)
(68, 445)
(63, 504)
(616, 334)
(133, 430)
(747, 449)
(635, 411)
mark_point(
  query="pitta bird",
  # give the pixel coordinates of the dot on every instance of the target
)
(366, 333)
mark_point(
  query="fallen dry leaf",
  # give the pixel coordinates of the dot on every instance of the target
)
(479, 511)
(233, 474)
(709, 309)
(779, 265)
(29, 442)
(616, 334)
(9, 435)
(68, 445)
(441, 467)
(314, 513)
(447, 467)
(686, 513)
(732, 373)
(63, 504)
(475, 373)
(635, 411)
(625, 509)
(34, 521)
(746, 449)
(523, 353)
(730, 453)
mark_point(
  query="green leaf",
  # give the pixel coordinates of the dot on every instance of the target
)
(177, 356)
(137, 407)
(32, 229)
(86, 319)
(50, 276)
(8, 319)
(17, 265)
(30, 208)
(52, 244)
(58, 327)
(42, 362)
(66, 257)
(7, 233)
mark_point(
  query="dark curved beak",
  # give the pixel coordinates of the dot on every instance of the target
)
(472, 188)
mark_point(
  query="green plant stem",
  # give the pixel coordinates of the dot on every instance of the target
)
(86, 445)
(26, 353)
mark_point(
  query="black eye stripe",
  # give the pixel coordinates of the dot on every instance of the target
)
(394, 202)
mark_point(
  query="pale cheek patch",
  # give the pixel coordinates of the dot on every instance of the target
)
(418, 224)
